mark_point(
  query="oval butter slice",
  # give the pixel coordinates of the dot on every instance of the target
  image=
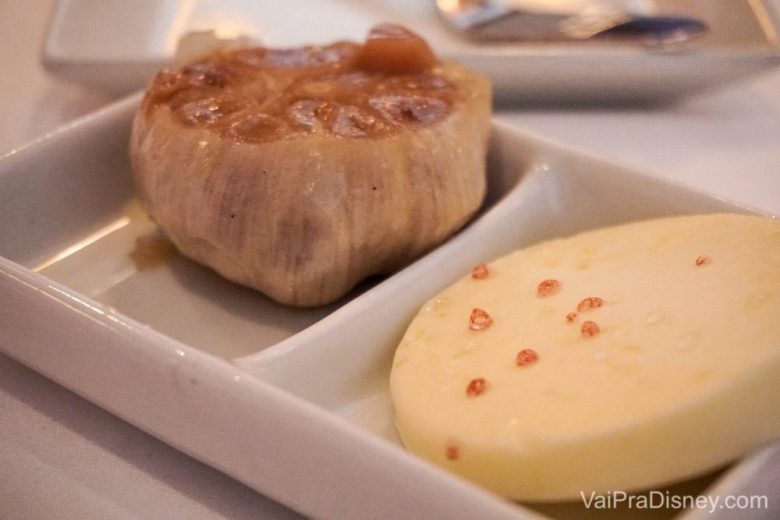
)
(618, 359)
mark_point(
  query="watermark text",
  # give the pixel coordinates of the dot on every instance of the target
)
(668, 500)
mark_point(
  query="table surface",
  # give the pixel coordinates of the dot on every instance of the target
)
(62, 457)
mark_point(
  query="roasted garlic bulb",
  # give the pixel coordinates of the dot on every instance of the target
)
(300, 172)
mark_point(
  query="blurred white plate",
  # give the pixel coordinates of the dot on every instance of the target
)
(291, 402)
(116, 45)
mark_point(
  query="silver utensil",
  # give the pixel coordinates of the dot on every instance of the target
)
(495, 20)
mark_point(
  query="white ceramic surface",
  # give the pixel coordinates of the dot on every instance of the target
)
(116, 46)
(301, 416)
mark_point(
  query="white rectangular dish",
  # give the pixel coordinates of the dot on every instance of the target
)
(293, 403)
(115, 45)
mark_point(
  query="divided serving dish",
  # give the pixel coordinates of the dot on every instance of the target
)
(291, 402)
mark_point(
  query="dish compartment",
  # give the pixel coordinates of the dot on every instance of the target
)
(73, 218)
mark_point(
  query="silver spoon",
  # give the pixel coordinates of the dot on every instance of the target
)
(493, 20)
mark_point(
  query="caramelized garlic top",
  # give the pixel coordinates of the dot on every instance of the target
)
(391, 82)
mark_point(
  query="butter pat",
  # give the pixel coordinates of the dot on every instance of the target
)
(619, 359)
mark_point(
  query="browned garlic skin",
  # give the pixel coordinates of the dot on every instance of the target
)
(305, 216)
